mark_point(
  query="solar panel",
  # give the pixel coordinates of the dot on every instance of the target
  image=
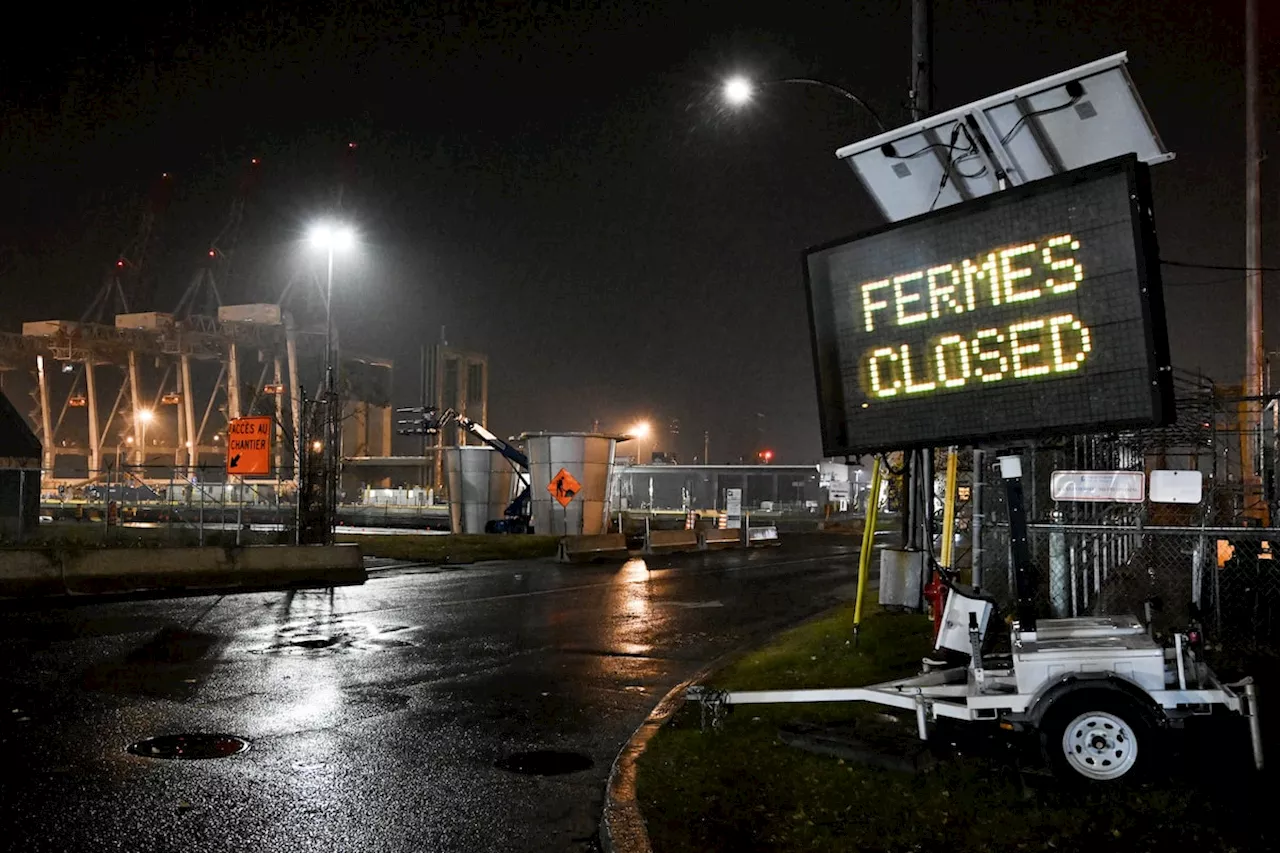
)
(1073, 119)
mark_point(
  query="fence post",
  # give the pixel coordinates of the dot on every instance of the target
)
(1096, 539)
(168, 503)
(22, 503)
(975, 527)
(200, 488)
(106, 510)
(1058, 569)
(1217, 594)
(1072, 564)
(1197, 568)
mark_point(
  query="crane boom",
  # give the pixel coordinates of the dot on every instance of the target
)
(516, 515)
(512, 454)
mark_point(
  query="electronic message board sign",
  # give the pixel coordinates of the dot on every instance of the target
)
(1031, 311)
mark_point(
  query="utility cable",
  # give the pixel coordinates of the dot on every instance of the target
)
(1074, 91)
(951, 162)
(1225, 267)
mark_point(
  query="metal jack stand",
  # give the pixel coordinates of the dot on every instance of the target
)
(1024, 572)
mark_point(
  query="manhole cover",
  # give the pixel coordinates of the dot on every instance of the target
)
(189, 746)
(545, 762)
(316, 643)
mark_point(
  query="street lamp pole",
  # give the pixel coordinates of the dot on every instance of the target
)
(738, 91)
(328, 327)
(330, 237)
(917, 517)
(844, 93)
(144, 417)
(330, 416)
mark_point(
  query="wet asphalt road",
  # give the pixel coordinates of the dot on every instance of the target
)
(376, 717)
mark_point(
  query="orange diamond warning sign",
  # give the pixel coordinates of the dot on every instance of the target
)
(249, 447)
(563, 487)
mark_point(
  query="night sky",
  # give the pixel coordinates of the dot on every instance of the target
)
(559, 186)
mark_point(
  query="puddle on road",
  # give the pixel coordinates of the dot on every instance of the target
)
(545, 762)
(318, 637)
(335, 644)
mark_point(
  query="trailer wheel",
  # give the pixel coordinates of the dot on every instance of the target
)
(1097, 736)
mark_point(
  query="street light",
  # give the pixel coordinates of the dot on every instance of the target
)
(638, 432)
(738, 91)
(330, 237)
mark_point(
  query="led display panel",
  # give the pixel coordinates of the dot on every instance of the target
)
(1031, 311)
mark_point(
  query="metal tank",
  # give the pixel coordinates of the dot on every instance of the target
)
(588, 458)
(479, 487)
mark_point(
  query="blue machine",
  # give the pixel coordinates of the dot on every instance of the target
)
(516, 517)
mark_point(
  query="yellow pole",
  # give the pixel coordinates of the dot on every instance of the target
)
(949, 510)
(868, 541)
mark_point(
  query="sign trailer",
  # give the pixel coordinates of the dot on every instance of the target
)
(1022, 311)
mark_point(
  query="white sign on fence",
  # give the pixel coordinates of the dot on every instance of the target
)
(1176, 487)
(1119, 486)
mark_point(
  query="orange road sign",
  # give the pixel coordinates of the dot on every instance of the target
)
(249, 447)
(563, 487)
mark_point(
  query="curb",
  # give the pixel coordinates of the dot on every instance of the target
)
(622, 826)
(10, 602)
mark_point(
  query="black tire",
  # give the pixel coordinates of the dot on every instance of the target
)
(1098, 737)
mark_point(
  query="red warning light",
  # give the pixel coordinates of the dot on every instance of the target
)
(164, 175)
(255, 161)
(213, 253)
(120, 263)
(352, 146)
(766, 455)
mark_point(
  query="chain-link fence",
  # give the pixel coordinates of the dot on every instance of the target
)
(139, 506)
(1210, 561)
(1227, 578)
(150, 502)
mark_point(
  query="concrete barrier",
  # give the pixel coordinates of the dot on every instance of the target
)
(299, 560)
(31, 572)
(670, 541)
(762, 536)
(715, 538)
(578, 549)
(28, 572)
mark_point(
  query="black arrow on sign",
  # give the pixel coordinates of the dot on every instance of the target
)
(235, 460)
